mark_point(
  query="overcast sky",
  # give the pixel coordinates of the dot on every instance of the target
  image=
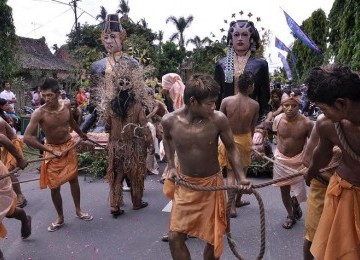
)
(48, 18)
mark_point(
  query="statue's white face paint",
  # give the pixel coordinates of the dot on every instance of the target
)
(240, 37)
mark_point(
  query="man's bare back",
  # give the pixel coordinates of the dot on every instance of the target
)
(292, 134)
(6, 129)
(326, 129)
(196, 142)
(242, 113)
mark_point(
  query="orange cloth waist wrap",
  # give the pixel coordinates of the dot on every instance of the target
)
(57, 171)
(7, 158)
(200, 213)
(7, 198)
(338, 233)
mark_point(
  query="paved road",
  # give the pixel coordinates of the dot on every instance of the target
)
(137, 234)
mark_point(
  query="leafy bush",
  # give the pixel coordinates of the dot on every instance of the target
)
(96, 163)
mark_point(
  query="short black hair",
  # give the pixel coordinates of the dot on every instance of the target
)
(246, 80)
(51, 84)
(200, 86)
(4, 82)
(329, 82)
(276, 91)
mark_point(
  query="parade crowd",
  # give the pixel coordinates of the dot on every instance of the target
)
(209, 130)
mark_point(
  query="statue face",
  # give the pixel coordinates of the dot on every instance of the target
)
(112, 42)
(240, 37)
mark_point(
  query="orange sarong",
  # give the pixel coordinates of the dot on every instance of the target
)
(338, 232)
(7, 158)
(200, 213)
(244, 144)
(7, 198)
(57, 171)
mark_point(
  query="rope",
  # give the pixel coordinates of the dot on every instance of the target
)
(344, 143)
(54, 156)
(36, 179)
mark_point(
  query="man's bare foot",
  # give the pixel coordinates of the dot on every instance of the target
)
(289, 222)
(84, 216)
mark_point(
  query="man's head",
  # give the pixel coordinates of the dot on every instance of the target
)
(290, 102)
(243, 35)
(50, 90)
(334, 88)
(63, 94)
(6, 85)
(202, 90)
(113, 34)
(275, 95)
(246, 83)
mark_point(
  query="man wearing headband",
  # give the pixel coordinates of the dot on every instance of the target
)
(293, 130)
(243, 40)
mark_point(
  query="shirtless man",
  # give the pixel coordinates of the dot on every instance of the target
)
(192, 132)
(158, 111)
(55, 119)
(293, 130)
(10, 161)
(242, 112)
(8, 207)
(336, 91)
(318, 186)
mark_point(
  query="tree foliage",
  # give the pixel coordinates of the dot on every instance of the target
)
(168, 60)
(316, 27)
(181, 24)
(9, 63)
(344, 36)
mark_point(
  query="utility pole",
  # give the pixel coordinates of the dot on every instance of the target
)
(77, 25)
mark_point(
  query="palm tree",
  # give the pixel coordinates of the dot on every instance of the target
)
(181, 24)
(198, 42)
(143, 23)
(102, 15)
(124, 10)
(160, 36)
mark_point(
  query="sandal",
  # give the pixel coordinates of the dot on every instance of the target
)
(55, 226)
(86, 217)
(296, 208)
(289, 222)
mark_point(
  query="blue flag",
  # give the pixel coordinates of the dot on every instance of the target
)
(301, 35)
(286, 66)
(279, 44)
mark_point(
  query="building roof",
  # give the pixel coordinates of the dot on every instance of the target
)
(35, 54)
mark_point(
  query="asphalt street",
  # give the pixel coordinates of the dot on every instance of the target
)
(137, 234)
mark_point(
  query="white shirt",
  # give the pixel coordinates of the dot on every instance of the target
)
(8, 95)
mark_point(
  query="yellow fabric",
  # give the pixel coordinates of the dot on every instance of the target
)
(58, 171)
(338, 232)
(7, 158)
(244, 145)
(314, 208)
(7, 198)
(200, 213)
